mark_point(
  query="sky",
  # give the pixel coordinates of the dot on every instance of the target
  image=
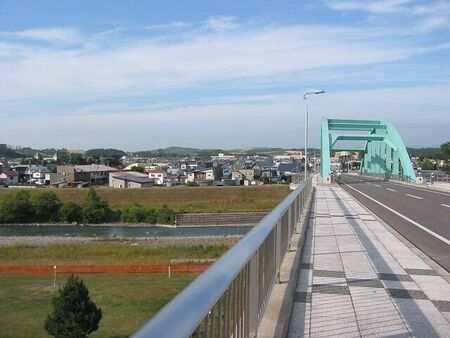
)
(139, 75)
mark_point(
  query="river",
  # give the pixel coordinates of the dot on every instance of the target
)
(112, 231)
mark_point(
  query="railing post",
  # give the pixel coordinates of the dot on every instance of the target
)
(253, 306)
(278, 251)
(296, 214)
(289, 226)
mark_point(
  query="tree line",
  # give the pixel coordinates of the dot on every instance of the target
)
(44, 206)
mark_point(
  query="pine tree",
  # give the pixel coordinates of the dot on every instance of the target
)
(95, 209)
(74, 314)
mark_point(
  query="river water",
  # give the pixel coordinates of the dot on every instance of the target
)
(119, 231)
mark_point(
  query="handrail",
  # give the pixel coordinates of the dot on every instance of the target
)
(230, 297)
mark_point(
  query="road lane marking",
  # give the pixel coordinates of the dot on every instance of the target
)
(445, 205)
(420, 226)
(377, 185)
(409, 186)
(368, 183)
(414, 196)
(391, 189)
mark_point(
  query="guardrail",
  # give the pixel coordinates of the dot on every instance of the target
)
(390, 177)
(230, 297)
(297, 178)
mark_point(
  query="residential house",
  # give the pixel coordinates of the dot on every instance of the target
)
(22, 171)
(9, 177)
(90, 173)
(287, 169)
(37, 174)
(200, 176)
(222, 157)
(264, 168)
(158, 175)
(130, 179)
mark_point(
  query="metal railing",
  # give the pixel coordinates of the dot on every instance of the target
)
(229, 299)
(386, 176)
(297, 178)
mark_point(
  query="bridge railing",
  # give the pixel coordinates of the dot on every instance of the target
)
(230, 297)
(390, 177)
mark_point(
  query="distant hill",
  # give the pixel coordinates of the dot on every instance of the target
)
(178, 151)
(26, 152)
(258, 151)
(424, 152)
(182, 151)
(9, 153)
(101, 152)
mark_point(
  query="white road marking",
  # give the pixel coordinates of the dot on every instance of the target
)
(391, 189)
(377, 185)
(414, 196)
(445, 205)
(368, 183)
(421, 189)
(420, 226)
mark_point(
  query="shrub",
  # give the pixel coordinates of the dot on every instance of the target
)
(74, 314)
(165, 215)
(46, 205)
(139, 214)
(134, 214)
(15, 207)
(95, 209)
(70, 212)
(151, 216)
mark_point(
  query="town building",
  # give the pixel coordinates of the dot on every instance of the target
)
(9, 177)
(158, 175)
(130, 179)
(91, 173)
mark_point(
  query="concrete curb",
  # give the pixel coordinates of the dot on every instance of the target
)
(277, 316)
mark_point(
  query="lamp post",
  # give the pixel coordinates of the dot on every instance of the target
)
(306, 125)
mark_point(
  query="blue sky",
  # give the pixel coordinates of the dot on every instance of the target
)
(146, 74)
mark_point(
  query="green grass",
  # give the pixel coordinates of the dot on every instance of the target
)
(127, 301)
(111, 252)
(185, 199)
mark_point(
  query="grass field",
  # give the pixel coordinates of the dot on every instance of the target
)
(103, 252)
(186, 199)
(127, 301)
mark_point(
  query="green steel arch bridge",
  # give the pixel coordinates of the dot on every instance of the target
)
(383, 152)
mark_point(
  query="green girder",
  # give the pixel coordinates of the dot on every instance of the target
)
(384, 153)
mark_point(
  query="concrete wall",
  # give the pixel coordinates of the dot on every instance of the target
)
(234, 218)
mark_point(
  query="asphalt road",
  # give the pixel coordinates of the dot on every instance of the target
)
(422, 216)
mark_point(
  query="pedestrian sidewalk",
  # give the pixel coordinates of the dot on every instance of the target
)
(357, 279)
(443, 186)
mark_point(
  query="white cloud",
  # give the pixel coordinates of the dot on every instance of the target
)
(275, 120)
(383, 6)
(81, 82)
(265, 55)
(222, 24)
(430, 16)
(54, 35)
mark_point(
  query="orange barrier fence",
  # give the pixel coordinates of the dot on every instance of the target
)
(159, 268)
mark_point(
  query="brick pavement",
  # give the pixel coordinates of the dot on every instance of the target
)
(357, 279)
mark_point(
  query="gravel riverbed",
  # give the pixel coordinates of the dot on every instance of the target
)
(155, 242)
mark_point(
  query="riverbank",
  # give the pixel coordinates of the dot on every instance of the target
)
(184, 200)
(151, 242)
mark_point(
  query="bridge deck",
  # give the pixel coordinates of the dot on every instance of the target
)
(358, 279)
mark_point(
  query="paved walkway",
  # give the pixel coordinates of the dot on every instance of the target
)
(358, 279)
(444, 186)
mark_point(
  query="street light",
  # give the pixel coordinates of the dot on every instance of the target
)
(306, 125)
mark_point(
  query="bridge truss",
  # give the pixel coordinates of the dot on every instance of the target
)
(383, 152)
